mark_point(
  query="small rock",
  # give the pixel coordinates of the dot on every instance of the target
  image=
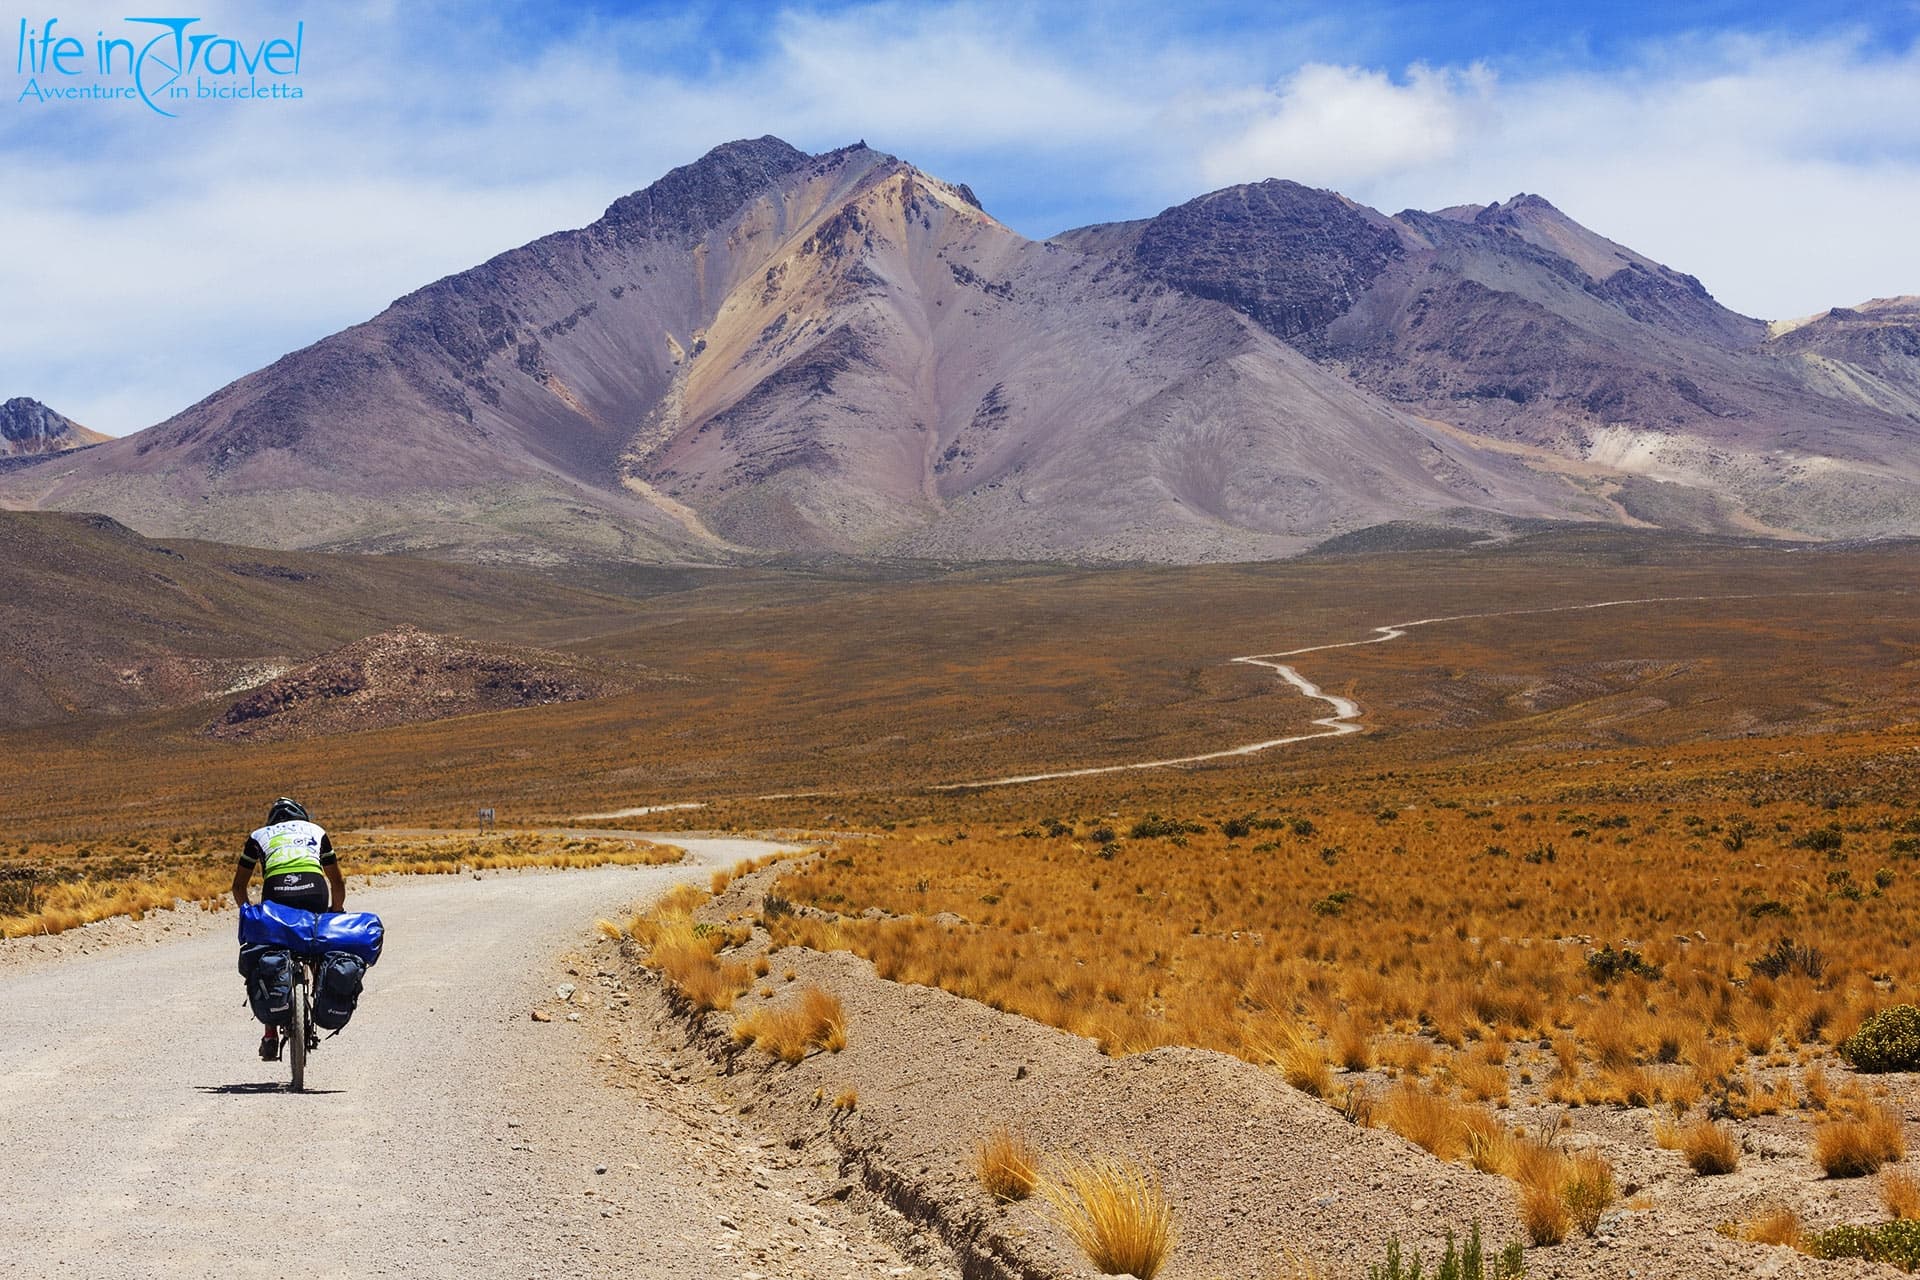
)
(541, 1015)
(564, 991)
(573, 1017)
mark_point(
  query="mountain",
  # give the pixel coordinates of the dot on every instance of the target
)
(1514, 324)
(28, 427)
(771, 352)
(1869, 353)
(768, 351)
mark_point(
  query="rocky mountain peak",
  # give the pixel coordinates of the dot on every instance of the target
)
(1290, 256)
(27, 426)
(1523, 205)
(689, 201)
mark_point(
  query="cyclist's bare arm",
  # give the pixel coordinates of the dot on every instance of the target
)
(336, 884)
(241, 874)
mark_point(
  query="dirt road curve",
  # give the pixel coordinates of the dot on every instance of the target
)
(450, 1135)
(1346, 712)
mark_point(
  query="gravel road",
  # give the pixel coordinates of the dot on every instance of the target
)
(447, 1133)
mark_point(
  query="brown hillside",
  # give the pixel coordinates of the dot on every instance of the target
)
(405, 676)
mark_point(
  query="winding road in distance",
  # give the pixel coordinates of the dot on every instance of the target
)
(1346, 712)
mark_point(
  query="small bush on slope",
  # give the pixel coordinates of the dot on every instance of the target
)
(1887, 1041)
(1897, 1243)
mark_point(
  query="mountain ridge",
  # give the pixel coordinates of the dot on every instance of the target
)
(766, 352)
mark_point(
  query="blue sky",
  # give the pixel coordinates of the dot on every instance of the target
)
(1774, 151)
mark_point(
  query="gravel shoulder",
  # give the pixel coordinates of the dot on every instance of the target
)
(448, 1134)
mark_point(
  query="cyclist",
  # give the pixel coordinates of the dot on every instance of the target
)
(297, 868)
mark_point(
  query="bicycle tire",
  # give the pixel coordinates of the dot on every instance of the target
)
(297, 1028)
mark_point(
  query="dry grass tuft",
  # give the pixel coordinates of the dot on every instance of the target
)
(1352, 1046)
(685, 952)
(1900, 1193)
(1779, 1225)
(1855, 1146)
(815, 1020)
(1709, 1148)
(1297, 1055)
(1560, 1191)
(1427, 1117)
(1489, 1143)
(1483, 1081)
(1116, 1212)
(1588, 1190)
(1007, 1164)
(1543, 1214)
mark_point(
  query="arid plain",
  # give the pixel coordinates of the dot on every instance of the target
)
(1591, 882)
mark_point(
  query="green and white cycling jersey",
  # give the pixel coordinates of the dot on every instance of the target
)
(288, 848)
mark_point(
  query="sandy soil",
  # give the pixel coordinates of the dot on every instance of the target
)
(448, 1132)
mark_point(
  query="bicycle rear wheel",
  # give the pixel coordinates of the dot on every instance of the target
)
(297, 1028)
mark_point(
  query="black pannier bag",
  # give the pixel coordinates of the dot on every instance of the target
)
(269, 975)
(336, 989)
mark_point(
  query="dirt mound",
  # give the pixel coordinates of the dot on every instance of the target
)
(405, 676)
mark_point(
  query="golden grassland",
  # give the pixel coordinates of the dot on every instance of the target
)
(54, 889)
(1688, 937)
(1479, 935)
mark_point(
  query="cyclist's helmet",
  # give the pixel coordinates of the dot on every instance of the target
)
(286, 810)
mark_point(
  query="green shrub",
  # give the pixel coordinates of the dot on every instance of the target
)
(1154, 827)
(1787, 956)
(1897, 1243)
(1460, 1262)
(1606, 964)
(1333, 904)
(1888, 1041)
(1820, 839)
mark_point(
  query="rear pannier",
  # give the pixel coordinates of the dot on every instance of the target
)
(336, 989)
(269, 974)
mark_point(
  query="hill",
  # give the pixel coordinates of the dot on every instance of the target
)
(97, 620)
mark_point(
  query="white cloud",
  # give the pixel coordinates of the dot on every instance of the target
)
(1337, 126)
(151, 261)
